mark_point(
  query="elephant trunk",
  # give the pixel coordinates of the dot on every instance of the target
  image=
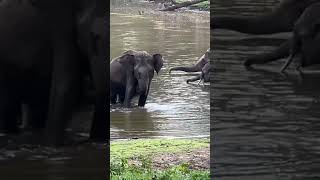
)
(186, 68)
(266, 24)
(143, 86)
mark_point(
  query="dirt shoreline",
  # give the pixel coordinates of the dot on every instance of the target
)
(198, 159)
(152, 8)
(164, 153)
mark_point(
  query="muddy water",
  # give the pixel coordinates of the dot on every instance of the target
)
(266, 124)
(174, 108)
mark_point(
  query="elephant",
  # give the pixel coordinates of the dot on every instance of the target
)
(306, 38)
(200, 66)
(46, 49)
(204, 59)
(281, 19)
(131, 75)
(204, 76)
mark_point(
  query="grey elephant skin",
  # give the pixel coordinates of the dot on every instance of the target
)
(281, 19)
(46, 46)
(202, 65)
(131, 75)
(305, 42)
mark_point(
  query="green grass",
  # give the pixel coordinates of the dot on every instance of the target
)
(143, 150)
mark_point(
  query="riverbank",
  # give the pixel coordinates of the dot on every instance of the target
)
(145, 7)
(202, 6)
(160, 159)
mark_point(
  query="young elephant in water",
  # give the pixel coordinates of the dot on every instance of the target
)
(131, 75)
(203, 60)
(306, 38)
(198, 67)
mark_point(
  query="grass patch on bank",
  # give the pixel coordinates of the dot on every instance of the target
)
(143, 150)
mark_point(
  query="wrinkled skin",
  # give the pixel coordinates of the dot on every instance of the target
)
(306, 38)
(43, 55)
(281, 19)
(131, 75)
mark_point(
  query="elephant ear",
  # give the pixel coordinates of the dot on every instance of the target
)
(126, 59)
(158, 62)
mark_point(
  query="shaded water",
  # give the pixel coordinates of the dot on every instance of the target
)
(21, 156)
(266, 125)
(174, 108)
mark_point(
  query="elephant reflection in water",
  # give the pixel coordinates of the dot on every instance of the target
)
(138, 122)
(202, 65)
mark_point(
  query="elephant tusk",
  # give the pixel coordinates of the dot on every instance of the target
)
(288, 62)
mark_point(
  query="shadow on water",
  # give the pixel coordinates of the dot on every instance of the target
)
(21, 156)
(174, 108)
(266, 124)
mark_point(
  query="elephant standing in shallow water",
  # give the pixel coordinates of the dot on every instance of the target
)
(281, 19)
(131, 75)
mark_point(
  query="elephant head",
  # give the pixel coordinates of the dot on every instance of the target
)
(140, 67)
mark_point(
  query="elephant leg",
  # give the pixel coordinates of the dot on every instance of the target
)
(295, 48)
(278, 53)
(62, 99)
(113, 93)
(196, 78)
(35, 116)
(100, 123)
(10, 109)
(113, 98)
(121, 97)
(64, 87)
(130, 92)
(99, 48)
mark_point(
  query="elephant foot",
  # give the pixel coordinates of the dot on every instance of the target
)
(15, 130)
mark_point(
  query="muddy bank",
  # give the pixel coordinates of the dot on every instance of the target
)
(147, 8)
(198, 159)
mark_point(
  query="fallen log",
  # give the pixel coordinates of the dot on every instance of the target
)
(180, 5)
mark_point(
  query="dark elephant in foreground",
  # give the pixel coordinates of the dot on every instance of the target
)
(131, 75)
(202, 65)
(281, 19)
(305, 42)
(46, 49)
